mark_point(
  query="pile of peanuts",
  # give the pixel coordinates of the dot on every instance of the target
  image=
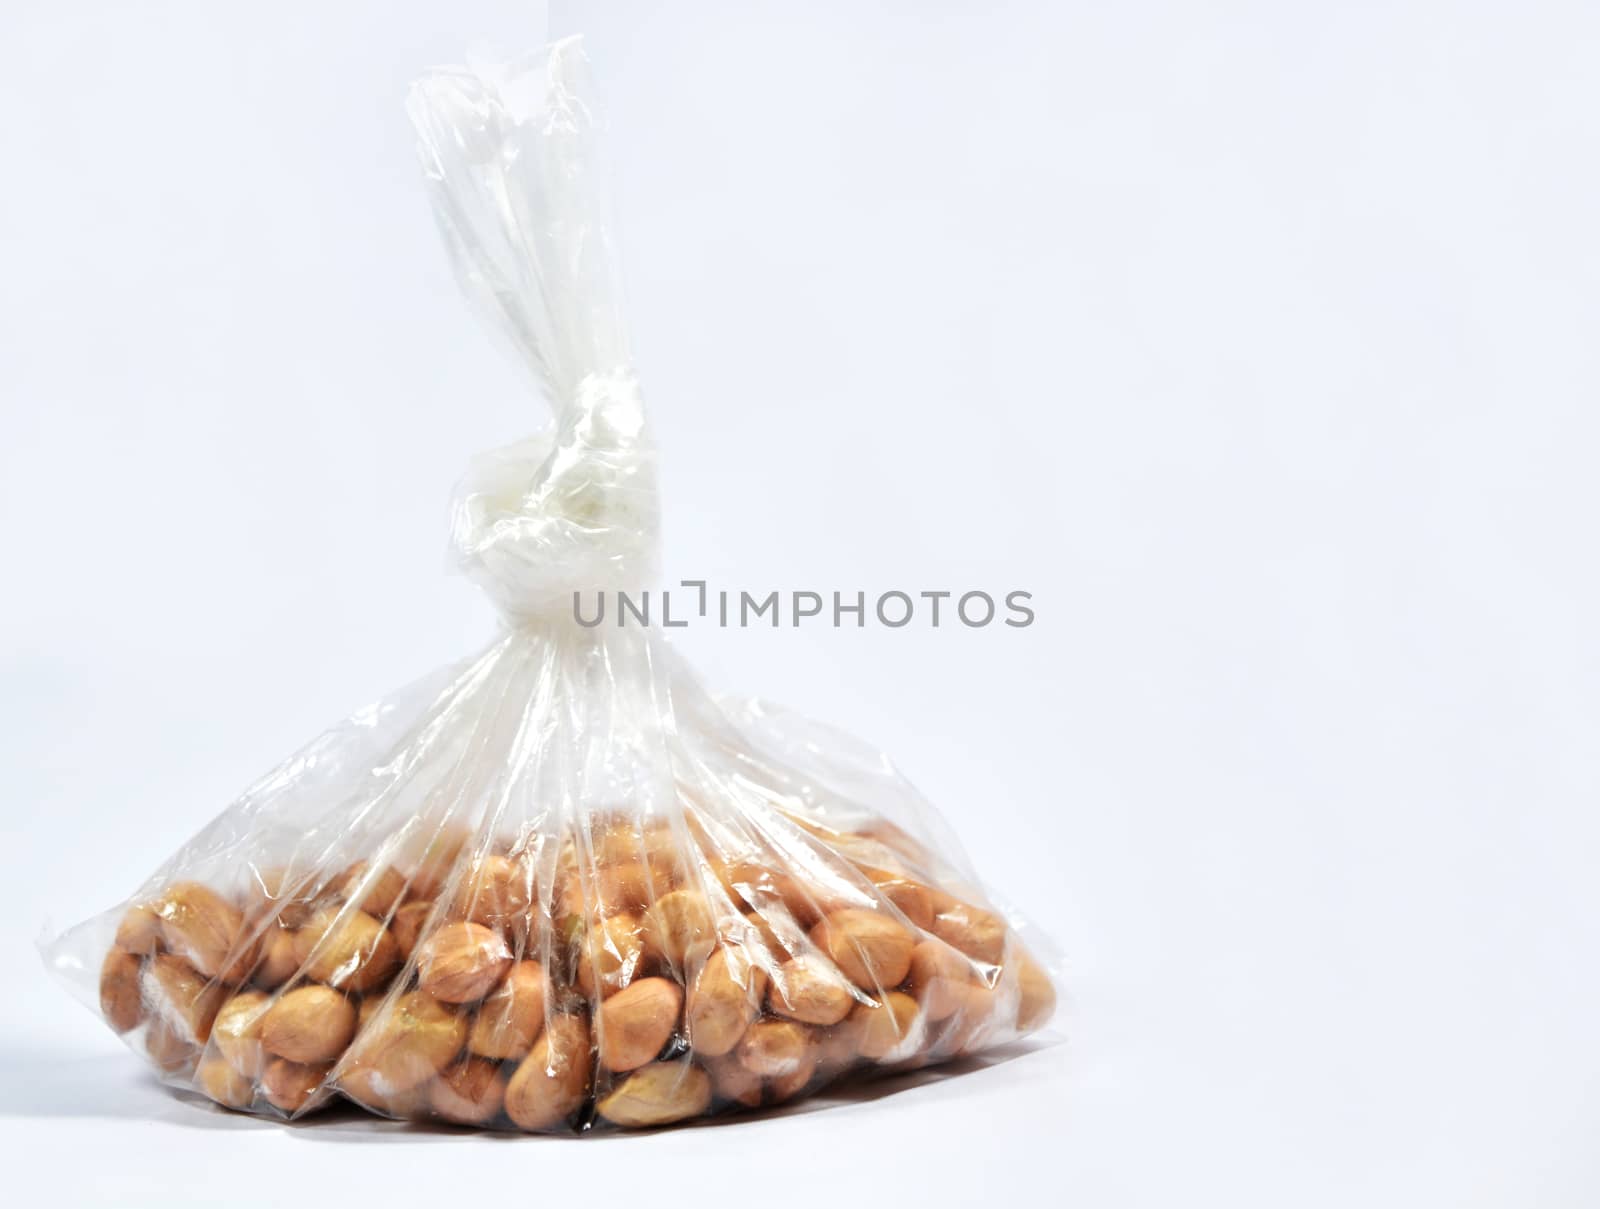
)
(628, 974)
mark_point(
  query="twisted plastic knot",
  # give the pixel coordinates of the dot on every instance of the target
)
(573, 510)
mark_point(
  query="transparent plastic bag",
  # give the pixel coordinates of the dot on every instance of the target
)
(558, 885)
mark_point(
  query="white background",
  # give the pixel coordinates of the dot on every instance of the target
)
(1257, 340)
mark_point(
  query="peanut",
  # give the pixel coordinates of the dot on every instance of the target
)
(1037, 994)
(980, 934)
(808, 990)
(206, 930)
(222, 1082)
(612, 955)
(377, 892)
(183, 999)
(462, 962)
(293, 1087)
(121, 1001)
(889, 1029)
(680, 925)
(870, 948)
(658, 1094)
(278, 960)
(140, 931)
(407, 924)
(509, 1020)
(405, 1043)
(940, 978)
(469, 1093)
(552, 1081)
(725, 998)
(352, 953)
(772, 1048)
(731, 1081)
(236, 1032)
(310, 1025)
(637, 1021)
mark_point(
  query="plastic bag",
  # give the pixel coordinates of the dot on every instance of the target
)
(558, 885)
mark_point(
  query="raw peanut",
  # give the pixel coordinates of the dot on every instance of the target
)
(552, 1081)
(839, 1048)
(205, 929)
(310, 1025)
(980, 934)
(786, 1087)
(497, 892)
(278, 960)
(725, 998)
(616, 844)
(462, 962)
(730, 1081)
(236, 1032)
(368, 1088)
(630, 886)
(369, 1008)
(940, 978)
(1037, 993)
(680, 925)
(971, 1026)
(140, 931)
(352, 953)
(637, 1021)
(219, 1080)
(887, 1030)
(870, 948)
(658, 1094)
(763, 889)
(376, 893)
(469, 1093)
(913, 899)
(183, 999)
(121, 1001)
(407, 925)
(172, 1052)
(613, 955)
(772, 1048)
(807, 990)
(405, 1043)
(509, 1020)
(293, 1087)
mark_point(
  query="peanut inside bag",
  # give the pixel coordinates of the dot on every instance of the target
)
(558, 886)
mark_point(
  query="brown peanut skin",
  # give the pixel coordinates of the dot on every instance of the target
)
(553, 1080)
(182, 997)
(509, 1020)
(121, 1000)
(887, 1027)
(140, 931)
(278, 961)
(462, 962)
(679, 926)
(725, 998)
(236, 1032)
(637, 1022)
(940, 977)
(206, 930)
(978, 933)
(404, 1044)
(613, 955)
(471, 1092)
(406, 926)
(222, 1082)
(871, 948)
(292, 1087)
(662, 1093)
(311, 1025)
(807, 990)
(376, 893)
(773, 1048)
(352, 952)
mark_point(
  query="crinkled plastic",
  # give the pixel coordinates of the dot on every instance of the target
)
(558, 886)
